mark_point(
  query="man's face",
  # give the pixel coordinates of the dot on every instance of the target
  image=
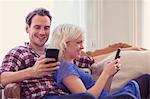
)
(74, 47)
(39, 30)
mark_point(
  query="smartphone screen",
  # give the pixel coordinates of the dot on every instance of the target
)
(52, 53)
(118, 53)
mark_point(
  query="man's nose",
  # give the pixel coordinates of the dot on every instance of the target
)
(42, 31)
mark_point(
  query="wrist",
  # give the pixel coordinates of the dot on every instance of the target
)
(29, 72)
(106, 74)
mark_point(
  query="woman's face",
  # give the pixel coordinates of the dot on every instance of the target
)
(74, 47)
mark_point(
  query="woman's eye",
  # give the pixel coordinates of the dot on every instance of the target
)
(79, 42)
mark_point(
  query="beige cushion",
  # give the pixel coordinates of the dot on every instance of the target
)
(134, 64)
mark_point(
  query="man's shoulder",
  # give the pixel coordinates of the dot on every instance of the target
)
(19, 49)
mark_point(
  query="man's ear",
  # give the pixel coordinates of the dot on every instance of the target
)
(27, 28)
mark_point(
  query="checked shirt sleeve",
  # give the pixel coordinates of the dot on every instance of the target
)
(84, 62)
(11, 61)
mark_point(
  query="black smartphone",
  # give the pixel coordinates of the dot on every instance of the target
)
(118, 53)
(52, 53)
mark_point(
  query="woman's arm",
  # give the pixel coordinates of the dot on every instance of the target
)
(108, 84)
(75, 85)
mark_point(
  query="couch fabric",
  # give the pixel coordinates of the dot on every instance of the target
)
(133, 64)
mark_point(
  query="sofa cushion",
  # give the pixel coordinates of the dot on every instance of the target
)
(134, 64)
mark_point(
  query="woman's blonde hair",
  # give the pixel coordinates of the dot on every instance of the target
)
(62, 34)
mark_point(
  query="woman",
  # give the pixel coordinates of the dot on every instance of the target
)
(69, 39)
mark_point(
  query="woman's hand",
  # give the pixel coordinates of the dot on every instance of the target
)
(112, 67)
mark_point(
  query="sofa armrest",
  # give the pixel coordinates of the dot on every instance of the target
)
(108, 49)
(12, 91)
(134, 64)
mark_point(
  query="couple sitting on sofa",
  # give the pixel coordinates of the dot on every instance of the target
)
(23, 65)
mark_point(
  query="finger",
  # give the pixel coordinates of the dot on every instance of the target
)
(40, 58)
(50, 69)
(44, 73)
(109, 62)
(116, 61)
(45, 60)
(117, 68)
(52, 64)
(117, 65)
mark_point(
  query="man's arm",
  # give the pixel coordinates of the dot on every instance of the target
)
(10, 77)
(39, 69)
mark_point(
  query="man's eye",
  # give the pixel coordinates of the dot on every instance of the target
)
(47, 28)
(37, 27)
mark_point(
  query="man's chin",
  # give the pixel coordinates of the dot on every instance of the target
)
(40, 44)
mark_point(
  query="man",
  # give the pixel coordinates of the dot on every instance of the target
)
(26, 64)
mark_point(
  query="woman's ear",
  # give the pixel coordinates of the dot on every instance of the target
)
(65, 47)
(27, 28)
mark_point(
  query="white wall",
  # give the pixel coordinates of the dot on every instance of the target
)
(113, 21)
(118, 21)
(69, 11)
(146, 24)
(13, 13)
(12, 22)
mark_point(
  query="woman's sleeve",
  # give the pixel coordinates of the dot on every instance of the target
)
(66, 69)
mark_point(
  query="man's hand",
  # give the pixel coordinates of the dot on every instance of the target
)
(40, 68)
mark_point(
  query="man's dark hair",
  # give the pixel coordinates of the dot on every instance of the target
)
(38, 11)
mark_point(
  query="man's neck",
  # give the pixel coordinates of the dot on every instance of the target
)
(37, 48)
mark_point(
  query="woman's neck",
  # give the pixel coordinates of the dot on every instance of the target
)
(69, 59)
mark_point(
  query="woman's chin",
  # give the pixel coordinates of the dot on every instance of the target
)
(78, 56)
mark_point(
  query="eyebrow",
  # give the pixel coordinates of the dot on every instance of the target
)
(81, 41)
(40, 26)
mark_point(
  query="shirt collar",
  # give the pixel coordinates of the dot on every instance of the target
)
(26, 44)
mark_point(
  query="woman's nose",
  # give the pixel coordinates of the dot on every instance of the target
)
(81, 46)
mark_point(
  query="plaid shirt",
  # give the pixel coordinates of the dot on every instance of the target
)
(21, 58)
(84, 62)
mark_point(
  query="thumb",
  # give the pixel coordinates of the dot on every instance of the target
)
(41, 57)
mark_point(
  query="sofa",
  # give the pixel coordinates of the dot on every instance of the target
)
(134, 63)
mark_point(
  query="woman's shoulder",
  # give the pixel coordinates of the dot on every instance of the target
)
(66, 67)
(67, 64)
